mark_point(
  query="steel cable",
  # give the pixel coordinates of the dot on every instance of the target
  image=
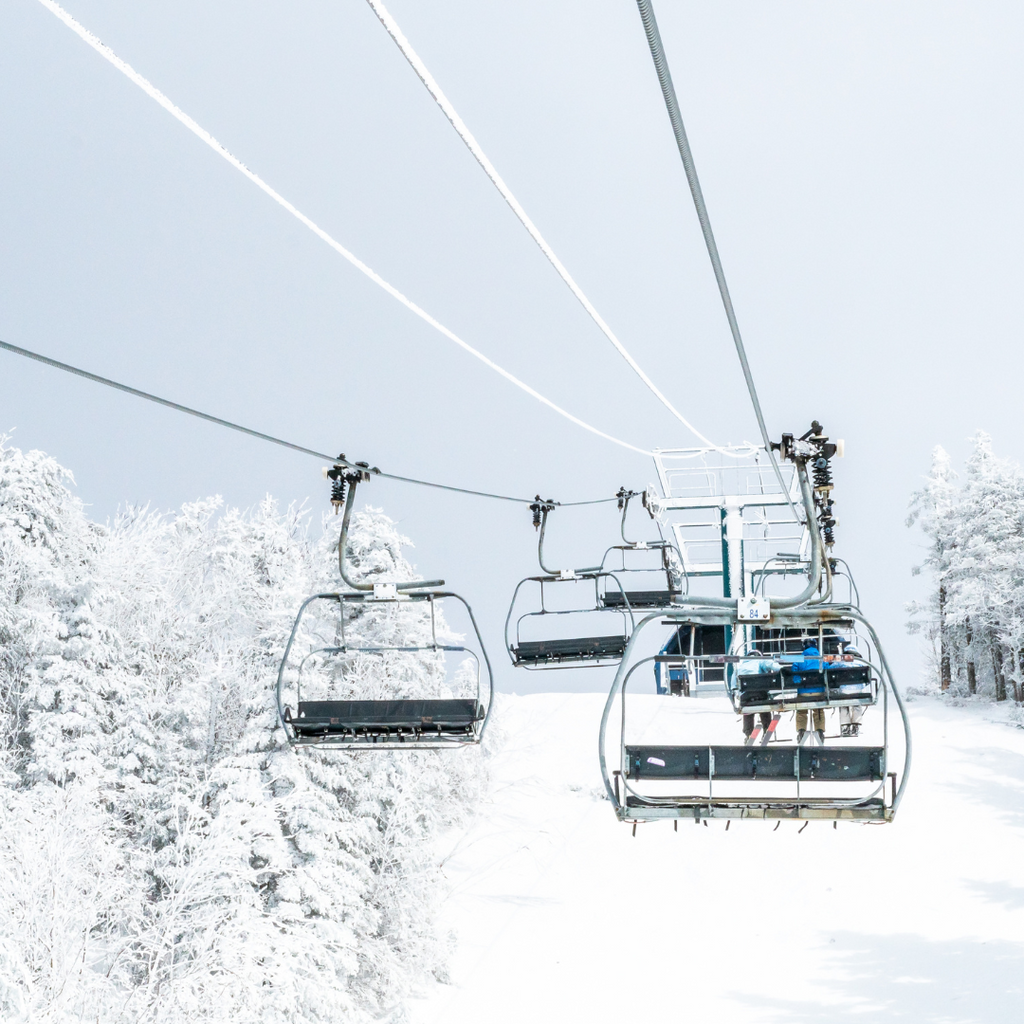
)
(668, 91)
(334, 459)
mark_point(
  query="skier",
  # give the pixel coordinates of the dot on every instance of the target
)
(849, 718)
(754, 665)
(809, 688)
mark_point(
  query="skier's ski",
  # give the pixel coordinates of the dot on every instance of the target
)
(769, 733)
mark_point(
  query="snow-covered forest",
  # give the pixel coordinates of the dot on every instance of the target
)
(164, 855)
(973, 621)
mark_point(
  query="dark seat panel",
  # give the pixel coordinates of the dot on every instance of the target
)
(638, 598)
(343, 716)
(844, 684)
(780, 763)
(580, 649)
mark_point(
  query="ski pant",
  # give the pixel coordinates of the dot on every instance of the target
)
(819, 720)
(748, 722)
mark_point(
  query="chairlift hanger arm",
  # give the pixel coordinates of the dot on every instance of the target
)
(543, 509)
(349, 477)
(623, 496)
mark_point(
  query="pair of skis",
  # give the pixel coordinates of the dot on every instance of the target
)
(763, 739)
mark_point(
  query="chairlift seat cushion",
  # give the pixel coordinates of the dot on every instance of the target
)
(774, 763)
(326, 717)
(638, 598)
(589, 648)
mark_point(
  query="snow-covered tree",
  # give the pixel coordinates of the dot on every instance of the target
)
(164, 854)
(976, 558)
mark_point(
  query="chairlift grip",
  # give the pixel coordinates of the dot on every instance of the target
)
(545, 510)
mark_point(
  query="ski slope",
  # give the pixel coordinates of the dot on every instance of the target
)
(559, 914)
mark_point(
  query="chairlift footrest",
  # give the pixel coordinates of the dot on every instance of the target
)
(638, 598)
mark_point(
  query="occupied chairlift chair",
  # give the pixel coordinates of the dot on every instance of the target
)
(715, 780)
(405, 724)
(576, 651)
(836, 678)
(782, 780)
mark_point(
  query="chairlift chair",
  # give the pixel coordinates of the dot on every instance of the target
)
(690, 662)
(662, 584)
(575, 651)
(378, 724)
(785, 682)
(778, 780)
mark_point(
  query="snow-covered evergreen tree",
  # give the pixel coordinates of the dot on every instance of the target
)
(193, 866)
(976, 558)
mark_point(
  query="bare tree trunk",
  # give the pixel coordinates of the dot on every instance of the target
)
(997, 665)
(1020, 675)
(944, 668)
(972, 675)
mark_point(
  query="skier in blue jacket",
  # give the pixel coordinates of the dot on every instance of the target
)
(810, 688)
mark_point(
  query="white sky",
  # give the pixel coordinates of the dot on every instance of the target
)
(861, 163)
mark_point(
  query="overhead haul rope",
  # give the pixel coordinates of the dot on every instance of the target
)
(668, 91)
(335, 459)
(104, 51)
(489, 169)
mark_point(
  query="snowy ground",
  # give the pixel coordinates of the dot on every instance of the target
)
(560, 915)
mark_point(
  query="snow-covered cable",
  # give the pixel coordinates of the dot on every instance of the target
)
(473, 146)
(104, 51)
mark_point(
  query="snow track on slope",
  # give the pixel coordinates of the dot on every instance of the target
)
(562, 916)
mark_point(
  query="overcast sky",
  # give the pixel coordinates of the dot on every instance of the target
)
(861, 163)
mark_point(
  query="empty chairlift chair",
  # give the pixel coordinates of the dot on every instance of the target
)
(691, 662)
(650, 573)
(576, 628)
(336, 659)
